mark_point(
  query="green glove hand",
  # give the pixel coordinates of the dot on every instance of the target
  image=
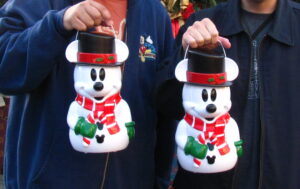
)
(130, 129)
(239, 147)
(195, 149)
(84, 128)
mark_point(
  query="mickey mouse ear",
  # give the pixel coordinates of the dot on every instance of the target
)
(180, 71)
(231, 68)
(71, 51)
(121, 50)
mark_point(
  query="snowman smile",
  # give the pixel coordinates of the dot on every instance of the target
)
(210, 118)
(99, 98)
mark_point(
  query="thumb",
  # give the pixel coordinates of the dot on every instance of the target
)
(225, 42)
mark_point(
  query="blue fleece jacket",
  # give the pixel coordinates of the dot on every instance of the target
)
(33, 69)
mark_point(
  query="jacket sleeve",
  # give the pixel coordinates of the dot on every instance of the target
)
(169, 92)
(166, 46)
(32, 37)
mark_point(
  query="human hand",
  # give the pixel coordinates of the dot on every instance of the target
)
(85, 15)
(203, 34)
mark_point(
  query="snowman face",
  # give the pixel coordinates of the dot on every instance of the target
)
(206, 102)
(97, 82)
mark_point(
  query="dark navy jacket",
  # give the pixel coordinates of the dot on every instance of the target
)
(34, 70)
(279, 67)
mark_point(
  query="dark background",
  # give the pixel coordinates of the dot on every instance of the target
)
(2, 2)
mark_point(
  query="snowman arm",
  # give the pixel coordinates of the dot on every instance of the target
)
(233, 129)
(85, 128)
(195, 149)
(22, 46)
(78, 123)
(188, 143)
(122, 112)
(130, 129)
(181, 134)
(239, 147)
(72, 116)
(123, 116)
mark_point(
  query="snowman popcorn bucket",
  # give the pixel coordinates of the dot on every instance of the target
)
(207, 138)
(99, 119)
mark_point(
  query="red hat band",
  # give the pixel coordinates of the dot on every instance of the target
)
(207, 79)
(97, 58)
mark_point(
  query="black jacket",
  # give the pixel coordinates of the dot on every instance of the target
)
(33, 68)
(278, 142)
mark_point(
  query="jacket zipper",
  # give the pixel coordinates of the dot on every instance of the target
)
(261, 100)
(262, 123)
(233, 185)
(255, 56)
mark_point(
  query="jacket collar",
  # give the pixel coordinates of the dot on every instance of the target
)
(231, 18)
(281, 29)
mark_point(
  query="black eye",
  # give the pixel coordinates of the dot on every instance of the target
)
(204, 95)
(93, 74)
(213, 94)
(102, 74)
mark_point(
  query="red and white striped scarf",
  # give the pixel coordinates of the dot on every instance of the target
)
(104, 111)
(214, 132)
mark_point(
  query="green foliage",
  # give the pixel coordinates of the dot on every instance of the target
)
(2, 2)
(203, 3)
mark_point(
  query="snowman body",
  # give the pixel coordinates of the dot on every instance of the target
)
(204, 106)
(208, 139)
(99, 86)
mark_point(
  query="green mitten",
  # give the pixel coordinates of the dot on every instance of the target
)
(130, 129)
(84, 128)
(194, 148)
(239, 147)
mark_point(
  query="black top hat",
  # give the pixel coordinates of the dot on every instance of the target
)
(206, 67)
(98, 49)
